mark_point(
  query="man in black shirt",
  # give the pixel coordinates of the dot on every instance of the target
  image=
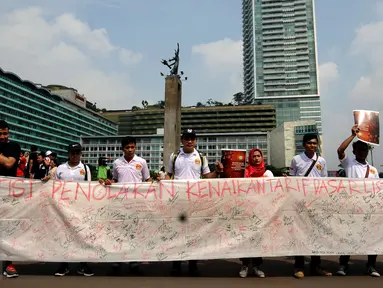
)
(32, 162)
(42, 170)
(9, 156)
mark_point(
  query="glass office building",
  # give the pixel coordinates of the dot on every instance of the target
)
(280, 57)
(150, 147)
(51, 122)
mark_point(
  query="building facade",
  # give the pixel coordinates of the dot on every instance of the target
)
(150, 147)
(49, 121)
(280, 57)
(216, 119)
(286, 141)
(69, 93)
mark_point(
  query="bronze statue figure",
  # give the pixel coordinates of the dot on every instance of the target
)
(173, 63)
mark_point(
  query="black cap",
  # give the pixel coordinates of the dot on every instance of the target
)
(188, 132)
(74, 147)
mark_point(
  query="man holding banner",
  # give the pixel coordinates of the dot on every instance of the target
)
(309, 164)
(356, 167)
(74, 170)
(131, 169)
(188, 163)
(9, 156)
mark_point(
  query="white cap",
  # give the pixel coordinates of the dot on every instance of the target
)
(49, 152)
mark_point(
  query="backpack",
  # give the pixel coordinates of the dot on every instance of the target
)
(175, 155)
(86, 171)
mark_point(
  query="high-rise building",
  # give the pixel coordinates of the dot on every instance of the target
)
(280, 57)
(49, 121)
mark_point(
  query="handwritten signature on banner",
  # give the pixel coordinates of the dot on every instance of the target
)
(221, 218)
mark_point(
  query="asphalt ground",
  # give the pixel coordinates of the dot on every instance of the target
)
(214, 273)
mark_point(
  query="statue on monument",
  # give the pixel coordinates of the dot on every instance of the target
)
(174, 62)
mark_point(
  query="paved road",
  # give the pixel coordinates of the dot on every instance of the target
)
(214, 273)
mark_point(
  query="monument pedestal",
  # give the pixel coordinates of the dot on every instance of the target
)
(172, 117)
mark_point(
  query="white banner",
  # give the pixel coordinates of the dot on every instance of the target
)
(181, 220)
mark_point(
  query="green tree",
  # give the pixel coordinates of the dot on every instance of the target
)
(278, 172)
(160, 104)
(240, 98)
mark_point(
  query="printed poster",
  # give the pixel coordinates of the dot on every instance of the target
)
(368, 122)
(234, 163)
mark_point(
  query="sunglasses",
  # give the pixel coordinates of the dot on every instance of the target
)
(189, 138)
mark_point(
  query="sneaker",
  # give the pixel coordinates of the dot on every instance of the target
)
(342, 271)
(244, 272)
(63, 270)
(258, 272)
(85, 270)
(299, 274)
(372, 271)
(10, 272)
(319, 271)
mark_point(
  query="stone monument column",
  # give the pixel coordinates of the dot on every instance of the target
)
(172, 117)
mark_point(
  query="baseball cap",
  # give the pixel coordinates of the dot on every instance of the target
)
(188, 132)
(74, 147)
(48, 153)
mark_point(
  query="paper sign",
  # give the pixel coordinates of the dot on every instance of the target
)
(234, 163)
(368, 122)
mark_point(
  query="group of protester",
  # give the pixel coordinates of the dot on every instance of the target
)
(189, 163)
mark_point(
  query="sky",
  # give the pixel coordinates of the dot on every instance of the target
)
(110, 51)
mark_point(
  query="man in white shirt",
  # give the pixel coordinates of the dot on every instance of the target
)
(188, 163)
(356, 167)
(309, 164)
(128, 168)
(74, 170)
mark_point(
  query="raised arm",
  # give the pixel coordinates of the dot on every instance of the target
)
(342, 148)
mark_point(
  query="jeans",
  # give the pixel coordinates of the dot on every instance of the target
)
(257, 261)
(300, 262)
(343, 260)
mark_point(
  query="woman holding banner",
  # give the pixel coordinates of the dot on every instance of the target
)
(256, 168)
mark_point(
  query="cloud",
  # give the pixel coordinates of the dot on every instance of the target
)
(367, 47)
(223, 60)
(65, 50)
(222, 53)
(363, 63)
(328, 74)
(368, 43)
(128, 57)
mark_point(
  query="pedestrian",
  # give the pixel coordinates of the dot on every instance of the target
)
(356, 167)
(74, 170)
(188, 163)
(9, 157)
(128, 168)
(309, 164)
(256, 168)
